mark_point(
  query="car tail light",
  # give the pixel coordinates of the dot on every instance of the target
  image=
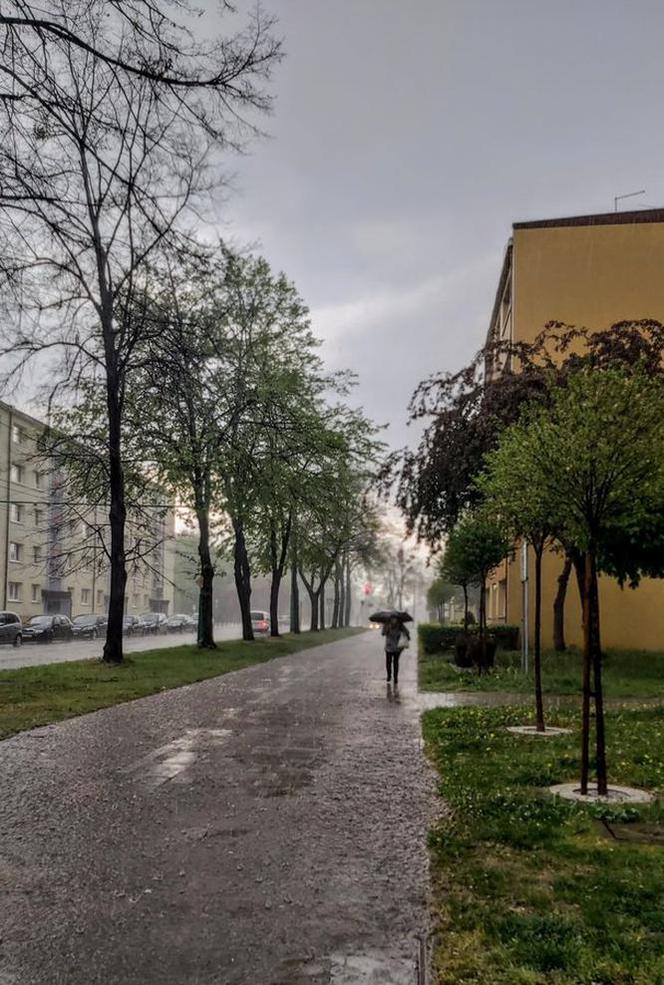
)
(262, 624)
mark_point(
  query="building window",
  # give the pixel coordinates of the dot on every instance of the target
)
(39, 516)
(15, 551)
(17, 435)
(39, 479)
(85, 596)
(17, 473)
(36, 593)
(36, 555)
(100, 597)
(14, 591)
(16, 513)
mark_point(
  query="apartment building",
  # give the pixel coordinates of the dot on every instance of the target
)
(590, 271)
(53, 548)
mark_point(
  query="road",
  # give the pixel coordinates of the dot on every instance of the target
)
(263, 828)
(34, 654)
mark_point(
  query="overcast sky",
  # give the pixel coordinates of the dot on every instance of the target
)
(406, 139)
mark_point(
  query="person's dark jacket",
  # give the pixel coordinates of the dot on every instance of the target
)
(392, 636)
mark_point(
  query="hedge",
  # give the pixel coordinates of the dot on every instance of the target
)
(435, 638)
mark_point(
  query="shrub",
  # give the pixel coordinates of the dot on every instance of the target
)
(507, 637)
(436, 638)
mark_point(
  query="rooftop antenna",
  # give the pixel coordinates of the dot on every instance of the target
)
(619, 198)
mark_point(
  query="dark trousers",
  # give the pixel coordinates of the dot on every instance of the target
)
(392, 665)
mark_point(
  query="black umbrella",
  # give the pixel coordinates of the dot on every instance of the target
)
(384, 615)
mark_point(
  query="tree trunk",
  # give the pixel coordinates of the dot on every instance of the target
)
(313, 599)
(205, 612)
(348, 598)
(294, 599)
(559, 606)
(465, 609)
(587, 650)
(337, 596)
(321, 602)
(278, 555)
(539, 700)
(295, 585)
(596, 661)
(242, 572)
(117, 519)
(275, 586)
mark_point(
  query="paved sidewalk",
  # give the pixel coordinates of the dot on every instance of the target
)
(263, 828)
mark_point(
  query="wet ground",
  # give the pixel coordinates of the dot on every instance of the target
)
(35, 654)
(264, 828)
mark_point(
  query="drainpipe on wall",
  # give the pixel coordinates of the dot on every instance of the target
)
(7, 505)
(524, 618)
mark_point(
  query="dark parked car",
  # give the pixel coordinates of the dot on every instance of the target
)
(11, 628)
(178, 623)
(89, 626)
(131, 626)
(46, 629)
(152, 622)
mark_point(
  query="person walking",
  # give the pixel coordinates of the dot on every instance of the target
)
(394, 631)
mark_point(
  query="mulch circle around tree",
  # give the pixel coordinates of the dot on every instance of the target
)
(550, 732)
(616, 795)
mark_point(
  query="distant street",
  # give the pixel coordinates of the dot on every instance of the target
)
(34, 654)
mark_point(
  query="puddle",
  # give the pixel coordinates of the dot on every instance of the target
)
(167, 762)
(371, 968)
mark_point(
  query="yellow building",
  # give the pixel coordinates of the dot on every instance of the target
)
(52, 546)
(589, 271)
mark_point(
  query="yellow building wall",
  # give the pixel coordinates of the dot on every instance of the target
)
(592, 277)
(630, 618)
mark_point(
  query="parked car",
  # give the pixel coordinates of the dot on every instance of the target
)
(152, 622)
(178, 623)
(260, 622)
(46, 629)
(88, 626)
(131, 626)
(11, 628)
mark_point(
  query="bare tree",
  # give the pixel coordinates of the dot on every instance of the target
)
(113, 117)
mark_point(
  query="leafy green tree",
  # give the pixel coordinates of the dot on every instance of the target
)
(440, 592)
(464, 414)
(595, 464)
(113, 116)
(476, 545)
(521, 507)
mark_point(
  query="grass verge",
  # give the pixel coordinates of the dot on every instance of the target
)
(31, 696)
(530, 890)
(627, 674)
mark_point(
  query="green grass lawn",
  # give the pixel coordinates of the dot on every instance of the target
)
(528, 889)
(32, 696)
(627, 674)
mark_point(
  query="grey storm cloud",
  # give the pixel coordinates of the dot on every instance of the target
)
(407, 138)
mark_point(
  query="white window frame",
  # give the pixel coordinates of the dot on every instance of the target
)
(16, 512)
(17, 473)
(14, 596)
(18, 552)
(36, 593)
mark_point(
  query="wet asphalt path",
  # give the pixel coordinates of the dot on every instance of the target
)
(264, 828)
(36, 654)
